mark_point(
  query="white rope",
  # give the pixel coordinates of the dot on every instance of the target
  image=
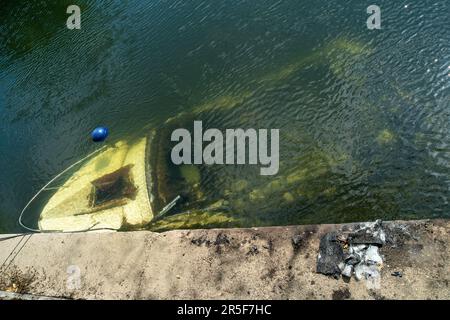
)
(45, 187)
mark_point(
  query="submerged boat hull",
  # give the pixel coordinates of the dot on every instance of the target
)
(109, 191)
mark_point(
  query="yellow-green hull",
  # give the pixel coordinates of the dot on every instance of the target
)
(76, 205)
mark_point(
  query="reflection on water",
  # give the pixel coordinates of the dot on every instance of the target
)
(363, 115)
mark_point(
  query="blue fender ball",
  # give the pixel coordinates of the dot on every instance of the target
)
(99, 134)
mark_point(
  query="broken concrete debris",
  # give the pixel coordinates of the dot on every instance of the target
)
(370, 233)
(353, 252)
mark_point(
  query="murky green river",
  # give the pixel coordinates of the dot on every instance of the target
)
(364, 115)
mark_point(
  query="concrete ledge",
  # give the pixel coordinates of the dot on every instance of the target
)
(4, 295)
(258, 263)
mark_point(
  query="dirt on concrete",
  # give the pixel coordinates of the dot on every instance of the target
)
(255, 263)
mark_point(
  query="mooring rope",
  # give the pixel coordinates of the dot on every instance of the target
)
(45, 188)
(13, 257)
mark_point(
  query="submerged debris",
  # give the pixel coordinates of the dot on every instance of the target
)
(385, 137)
(353, 253)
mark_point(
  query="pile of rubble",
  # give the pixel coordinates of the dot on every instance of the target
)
(354, 252)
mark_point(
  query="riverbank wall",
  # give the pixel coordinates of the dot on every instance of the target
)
(254, 263)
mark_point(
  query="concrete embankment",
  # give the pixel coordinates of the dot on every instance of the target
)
(274, 262)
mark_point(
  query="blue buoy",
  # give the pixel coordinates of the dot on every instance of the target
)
(99, 134)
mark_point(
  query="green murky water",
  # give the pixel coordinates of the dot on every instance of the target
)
(364, 116)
